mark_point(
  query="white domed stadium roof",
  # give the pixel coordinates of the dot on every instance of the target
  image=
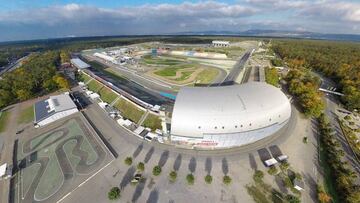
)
(200, 111)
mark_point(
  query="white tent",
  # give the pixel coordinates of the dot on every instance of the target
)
(94, 96)
(3, 170)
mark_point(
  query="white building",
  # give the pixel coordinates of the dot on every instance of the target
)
(218, 43)
(105, 57)
(228, 116)
(54, 108)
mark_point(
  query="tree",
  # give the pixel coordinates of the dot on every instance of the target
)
(284, 166)
(354, 195)
(258, 176)
(227, 180)
(352, 97)
(172, 176)
(271, 76)
(61, 82)
(64, 56)
(6, 97)
(208, 179)
(305, 140)
(23, 94)
(337, 60)
(156, 170)
(140, 166)
(272, 170)
(292, 199)
(323, 197)
(190, 179)
(50, 85)
(114, 193)
(128, 161)
(31, 78)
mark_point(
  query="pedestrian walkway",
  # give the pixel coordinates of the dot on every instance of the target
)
(142, 119)
(115, 100)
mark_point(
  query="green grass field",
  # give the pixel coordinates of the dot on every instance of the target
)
(4, 117)
(148, 59)
(94, 86)
(329, 182)
(167, 72)
(207, 76)
(271, 76)
(171, 71)
(184, 75)
(129, 110)
(153, 122)
(107, 95)
(83, 77)
(26, 115)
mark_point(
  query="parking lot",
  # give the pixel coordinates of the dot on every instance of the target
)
(238, 163)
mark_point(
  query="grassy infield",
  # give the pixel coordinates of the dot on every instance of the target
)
(204, 77)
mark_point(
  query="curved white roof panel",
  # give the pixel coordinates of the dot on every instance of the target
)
(201, 111)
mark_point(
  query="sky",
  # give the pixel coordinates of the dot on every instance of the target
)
(41, 19)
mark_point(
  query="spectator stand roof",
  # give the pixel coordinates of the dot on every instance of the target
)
(79, 63)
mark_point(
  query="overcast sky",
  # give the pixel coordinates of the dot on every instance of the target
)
(27, 19)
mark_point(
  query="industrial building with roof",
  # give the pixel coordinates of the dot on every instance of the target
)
(228, 116)
(78, 63)
(54, 108)
(218, 43)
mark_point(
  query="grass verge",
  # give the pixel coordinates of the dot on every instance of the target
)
(129, 110)
(207, 76)
(26, 115)
(153, 122)
(160, 61)
(4, 117)
(107, 95)
(94, 86)
(83, 77)
(271, 76)
(329, 184)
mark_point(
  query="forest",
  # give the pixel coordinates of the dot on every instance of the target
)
(340, 175)
(339, 61)
(305, 86)
(10, 51)
(36, 76)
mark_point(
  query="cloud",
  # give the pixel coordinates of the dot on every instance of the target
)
(85, 20)
(279, 4)
(56, 14)
(333, 10)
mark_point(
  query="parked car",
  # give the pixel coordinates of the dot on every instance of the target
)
(137, 178)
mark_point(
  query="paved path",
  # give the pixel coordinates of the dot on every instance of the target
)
(234, 73)
(7, 152)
